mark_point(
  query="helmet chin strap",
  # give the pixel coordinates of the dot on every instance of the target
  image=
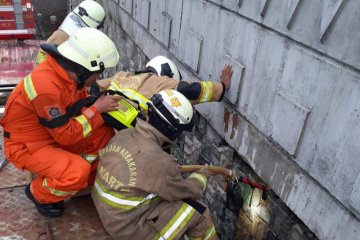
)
(82, 73)
(82, 77)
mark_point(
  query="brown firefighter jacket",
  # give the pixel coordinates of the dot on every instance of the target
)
(147, 84)
(138, 188)
(57, 38)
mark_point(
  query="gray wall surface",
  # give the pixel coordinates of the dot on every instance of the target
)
(293, 110)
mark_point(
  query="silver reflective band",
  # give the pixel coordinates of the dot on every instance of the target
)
(135, 97)
(77, 48)
(122, 201)
(210, 234)
(177, 223)
(90, 158)
(108, 57)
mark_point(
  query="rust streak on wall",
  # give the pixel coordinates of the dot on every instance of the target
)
(234, 125)
(226, 119)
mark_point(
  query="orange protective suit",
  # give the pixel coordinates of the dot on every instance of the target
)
(64, 157)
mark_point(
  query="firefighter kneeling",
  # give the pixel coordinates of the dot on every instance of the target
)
(139, 191)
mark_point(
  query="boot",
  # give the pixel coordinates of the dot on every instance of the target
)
(48, 210)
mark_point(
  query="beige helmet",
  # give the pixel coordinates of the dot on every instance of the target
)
(91, 49)
(92, 13)
(174, 108)
(163, 66)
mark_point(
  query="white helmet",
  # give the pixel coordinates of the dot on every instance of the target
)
(92, 13)
(163, 66)
(91, 49)
(174, 108)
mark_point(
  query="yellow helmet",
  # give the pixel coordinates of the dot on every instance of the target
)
(92, 13)
(91, 49)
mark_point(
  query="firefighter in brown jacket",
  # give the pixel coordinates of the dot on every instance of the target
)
(161, 73)
(88, 13)
(139, 191)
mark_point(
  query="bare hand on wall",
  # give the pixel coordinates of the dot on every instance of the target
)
(226, 74)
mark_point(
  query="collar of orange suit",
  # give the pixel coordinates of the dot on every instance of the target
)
(61, 72)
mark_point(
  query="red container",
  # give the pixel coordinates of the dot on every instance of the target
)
(27, 5)
(6, 2)
(7, 24)
(17, 34)
(7, 15)
(29, 20)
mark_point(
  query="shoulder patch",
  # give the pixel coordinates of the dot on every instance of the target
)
(54, 112)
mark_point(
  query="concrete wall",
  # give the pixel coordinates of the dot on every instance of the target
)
(239, 211)
(293, 108)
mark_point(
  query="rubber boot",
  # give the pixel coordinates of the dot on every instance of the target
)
(48, 210)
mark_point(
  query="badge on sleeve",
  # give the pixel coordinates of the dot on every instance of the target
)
(54, 112)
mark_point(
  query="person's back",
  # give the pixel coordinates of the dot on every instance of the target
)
(155, 79)
(88, 13)
(147, 84)
(160, 74)
(129, 171)
(139, 191)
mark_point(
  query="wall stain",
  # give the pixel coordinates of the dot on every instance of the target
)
(226, 119)
(234, 125)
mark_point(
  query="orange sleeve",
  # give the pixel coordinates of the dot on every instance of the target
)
(76, 128)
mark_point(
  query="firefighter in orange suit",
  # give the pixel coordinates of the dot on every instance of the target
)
(45, 130)
(88, 13)
(139, 191)
(161, 73)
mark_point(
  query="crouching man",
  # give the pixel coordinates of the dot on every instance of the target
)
(139, 191)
